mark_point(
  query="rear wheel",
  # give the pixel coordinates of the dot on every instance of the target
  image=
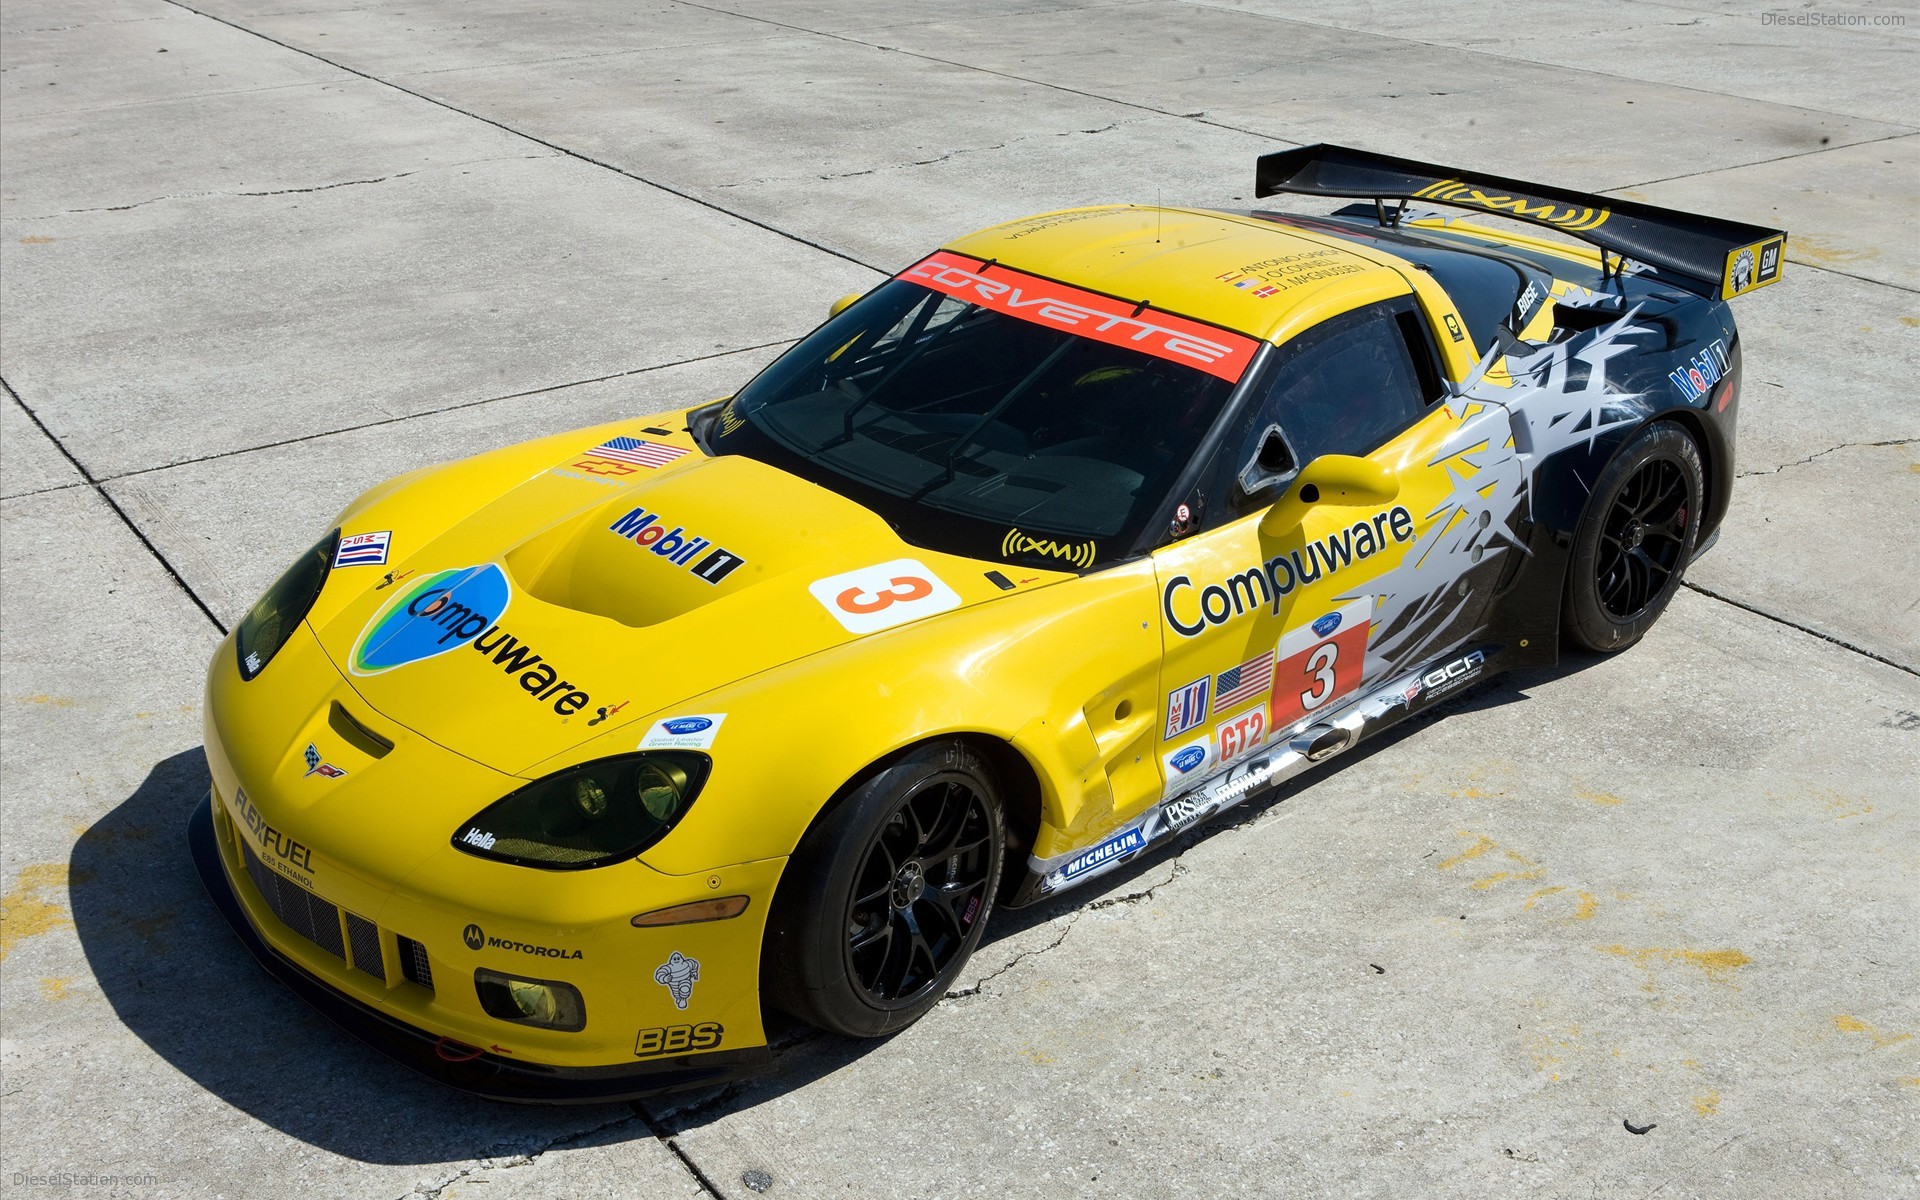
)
(1635, 540)
(888, 894)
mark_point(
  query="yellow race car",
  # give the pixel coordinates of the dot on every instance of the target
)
(548, 769)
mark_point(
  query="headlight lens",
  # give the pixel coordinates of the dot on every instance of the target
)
(589, 815)
(544, 1002)
(272, 618)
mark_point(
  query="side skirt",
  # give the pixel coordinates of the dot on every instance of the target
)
(1286, 754)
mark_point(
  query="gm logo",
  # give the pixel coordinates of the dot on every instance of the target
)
(473, 937)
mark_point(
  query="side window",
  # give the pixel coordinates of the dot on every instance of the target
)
(1347, 386)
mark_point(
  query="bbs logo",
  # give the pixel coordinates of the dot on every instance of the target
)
(678, 1039)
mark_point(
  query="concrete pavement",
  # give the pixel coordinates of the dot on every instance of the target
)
(256, 256)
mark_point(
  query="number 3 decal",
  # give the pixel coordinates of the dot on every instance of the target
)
(884, 595)
(1320, 666)
(906, 587)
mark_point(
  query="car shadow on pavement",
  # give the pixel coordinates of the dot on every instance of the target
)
(180, 981)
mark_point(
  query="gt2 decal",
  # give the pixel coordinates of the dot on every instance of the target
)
(678, 1039)
(450, 609)
(1242, 735)
(1269, 583)
(1218, 352)
(649, 532)
(1702, 371)
(882, 596)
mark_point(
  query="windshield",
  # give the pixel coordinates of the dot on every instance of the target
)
(1026, 421)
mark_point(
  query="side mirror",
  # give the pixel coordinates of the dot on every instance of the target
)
(1330, 479)
(839, 306)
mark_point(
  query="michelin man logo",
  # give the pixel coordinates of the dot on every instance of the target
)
(678, 975)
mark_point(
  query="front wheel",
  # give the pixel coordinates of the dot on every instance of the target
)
(888, 894)
(1635, 540)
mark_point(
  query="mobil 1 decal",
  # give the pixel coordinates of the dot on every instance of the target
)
(1319, 664)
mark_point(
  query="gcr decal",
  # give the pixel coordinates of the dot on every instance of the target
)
(882, 596)
(1319, 664)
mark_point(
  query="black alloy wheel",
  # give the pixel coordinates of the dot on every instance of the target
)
(1635, 541)
(1643, 537)
(921, 889)
(887, 894)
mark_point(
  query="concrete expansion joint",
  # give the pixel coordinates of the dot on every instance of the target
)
(947, 157)
(321, 187)
(1801, 462)
(434, 1191)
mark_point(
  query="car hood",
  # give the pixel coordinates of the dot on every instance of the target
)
(562, 609)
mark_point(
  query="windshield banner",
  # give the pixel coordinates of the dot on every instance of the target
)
(1218, 352)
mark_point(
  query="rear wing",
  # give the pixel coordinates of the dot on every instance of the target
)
(1720, 259)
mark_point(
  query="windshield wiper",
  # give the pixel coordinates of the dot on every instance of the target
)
(1019, 389)
(931, 306)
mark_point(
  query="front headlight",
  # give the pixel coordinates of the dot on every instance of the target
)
(589, 815)
(272, 618)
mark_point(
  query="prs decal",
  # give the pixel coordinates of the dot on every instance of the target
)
(1266, 585)
(1218, 352)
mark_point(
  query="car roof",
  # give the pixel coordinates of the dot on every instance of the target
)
(1208, 265)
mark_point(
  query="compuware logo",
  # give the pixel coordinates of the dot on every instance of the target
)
(441, 612)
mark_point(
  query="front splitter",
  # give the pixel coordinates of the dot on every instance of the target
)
(466, 1068)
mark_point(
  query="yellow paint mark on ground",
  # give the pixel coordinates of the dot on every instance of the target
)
(1589, 905)
(43, 698)
(1847, 1024)
(55, 989)
(35, 240)
(1910, 322)
(1471, 793)
(1719, 965)
(1481, 845)
(1039, 1056)
(1499, 877)
(1596, 797)
(1813, 250)
(27, 911)
(1841, 807)
(1707, 1103)
(1549, 1047)
(1913, 1082)
(1545, 891)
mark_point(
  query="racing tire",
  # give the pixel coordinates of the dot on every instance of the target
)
(888, 894)
(1635, 540)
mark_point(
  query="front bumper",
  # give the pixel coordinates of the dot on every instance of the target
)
(467, 1068)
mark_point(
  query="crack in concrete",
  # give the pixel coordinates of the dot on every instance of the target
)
(928, 162)
(1801, 462)
(321, 187)
(1882, 659)
(433, 1191)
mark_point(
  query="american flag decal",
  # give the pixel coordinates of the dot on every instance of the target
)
(1251, 678)
(1187, 707)
(636, 451)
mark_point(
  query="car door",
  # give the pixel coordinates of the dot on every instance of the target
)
(1263, 633)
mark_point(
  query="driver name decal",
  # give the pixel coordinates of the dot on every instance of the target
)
(1218, 352)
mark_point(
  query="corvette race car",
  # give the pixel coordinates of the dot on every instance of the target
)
(546, 770)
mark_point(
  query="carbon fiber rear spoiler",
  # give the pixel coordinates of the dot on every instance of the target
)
(1720, 259)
